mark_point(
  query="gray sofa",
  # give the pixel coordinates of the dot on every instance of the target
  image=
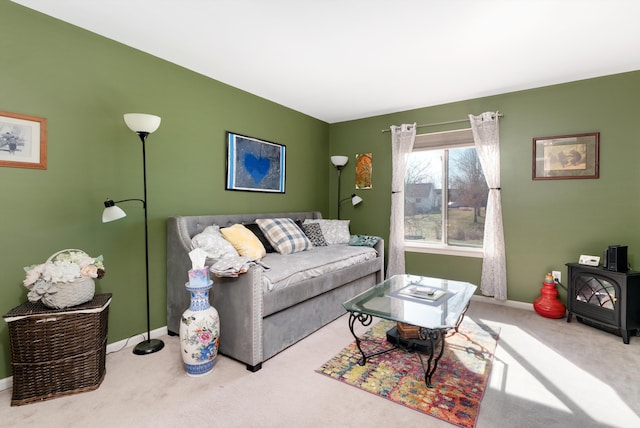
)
(256, 324)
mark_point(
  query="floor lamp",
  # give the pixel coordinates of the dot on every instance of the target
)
(143, 125)
(339, 162)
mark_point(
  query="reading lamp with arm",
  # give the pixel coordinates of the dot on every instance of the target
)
(143, 125)
(339, 162)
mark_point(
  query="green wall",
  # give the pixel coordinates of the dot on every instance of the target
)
(83, 84)
(546, 223)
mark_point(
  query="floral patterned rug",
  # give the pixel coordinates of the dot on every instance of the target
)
(458, 383)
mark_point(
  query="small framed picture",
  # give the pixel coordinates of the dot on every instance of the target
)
(23, 141)
(254, 165)
(364, 170)
(566, 157)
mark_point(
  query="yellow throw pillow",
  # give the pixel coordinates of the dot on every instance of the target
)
(244, 241)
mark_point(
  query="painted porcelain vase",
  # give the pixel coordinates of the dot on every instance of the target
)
(199, 332)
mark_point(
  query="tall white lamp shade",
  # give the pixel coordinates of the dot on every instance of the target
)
(339, 161)
(141, 122)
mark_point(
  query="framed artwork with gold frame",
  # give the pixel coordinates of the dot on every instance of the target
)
(23, 141)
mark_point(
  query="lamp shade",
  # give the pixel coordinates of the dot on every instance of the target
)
(140, 122)
(339, 161)
(355, 200)
(112, 213)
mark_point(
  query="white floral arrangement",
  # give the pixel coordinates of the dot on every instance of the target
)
(63, 267)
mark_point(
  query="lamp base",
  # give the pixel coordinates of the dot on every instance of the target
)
(148, 347)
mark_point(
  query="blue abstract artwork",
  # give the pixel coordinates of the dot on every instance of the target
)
(254, 165)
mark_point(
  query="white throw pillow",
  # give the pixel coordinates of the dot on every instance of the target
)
(334, 231)
(213, 243)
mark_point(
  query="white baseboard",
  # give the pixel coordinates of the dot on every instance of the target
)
(509, 303)
(134, 340)
(7, 382)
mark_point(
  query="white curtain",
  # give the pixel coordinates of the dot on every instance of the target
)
(402, 138)
(494, 268)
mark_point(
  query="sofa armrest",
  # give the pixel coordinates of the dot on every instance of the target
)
(379, 247)
(178, 264)
(240, 306)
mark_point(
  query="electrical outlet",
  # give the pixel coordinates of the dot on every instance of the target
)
(557, 276)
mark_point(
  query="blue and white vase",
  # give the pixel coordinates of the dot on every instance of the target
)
(199, 332)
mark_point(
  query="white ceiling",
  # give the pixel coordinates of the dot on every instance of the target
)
(338, 60)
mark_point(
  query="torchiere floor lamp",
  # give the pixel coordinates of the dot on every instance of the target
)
(143, 125)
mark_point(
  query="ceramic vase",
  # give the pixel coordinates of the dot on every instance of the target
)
(199, 332)
(548, 305)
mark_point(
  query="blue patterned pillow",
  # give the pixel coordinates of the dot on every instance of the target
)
(285, 236)
(363, 240)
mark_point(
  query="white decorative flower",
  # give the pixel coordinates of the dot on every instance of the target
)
(66, 266)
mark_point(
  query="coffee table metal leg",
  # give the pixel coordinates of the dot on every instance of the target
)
(365, 320)
(435, 337)
(461, 317)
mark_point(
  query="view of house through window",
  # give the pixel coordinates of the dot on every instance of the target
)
(445, 195)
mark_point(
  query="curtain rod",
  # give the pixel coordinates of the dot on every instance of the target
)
(500, 115)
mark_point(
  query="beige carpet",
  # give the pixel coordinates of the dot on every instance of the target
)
(546, 373)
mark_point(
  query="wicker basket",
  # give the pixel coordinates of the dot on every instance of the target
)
(71, 293)
(57, 352)
(408, 331)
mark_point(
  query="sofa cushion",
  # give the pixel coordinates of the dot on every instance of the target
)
(314, 233)
(213, 243)
(334, 231)
(244, 241)
(284, 235)
(290, 269)
(260, 235)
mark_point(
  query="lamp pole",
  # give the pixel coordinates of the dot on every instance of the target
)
(339, 167)
(148, 346)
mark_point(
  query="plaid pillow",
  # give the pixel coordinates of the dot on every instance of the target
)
(285, 236)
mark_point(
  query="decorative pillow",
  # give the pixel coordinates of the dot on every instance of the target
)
(363, 240)
(334, 231)
(263, 239)
(314, 233)
(285, 236)
(213, 243)
(243, 240)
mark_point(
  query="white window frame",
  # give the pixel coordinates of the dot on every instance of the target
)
(459, 138)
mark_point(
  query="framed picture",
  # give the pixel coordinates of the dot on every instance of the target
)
(254, 165)
(23, 141)
(364, 170)
(566, 157)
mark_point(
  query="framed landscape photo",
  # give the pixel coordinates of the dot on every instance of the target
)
(566, 157)
(254, 165)
(23, 141)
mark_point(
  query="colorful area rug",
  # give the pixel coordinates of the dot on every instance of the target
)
(459, 382)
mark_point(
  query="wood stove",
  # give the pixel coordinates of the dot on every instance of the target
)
(604, 299)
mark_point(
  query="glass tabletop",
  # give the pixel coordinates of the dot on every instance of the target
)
(417, 300)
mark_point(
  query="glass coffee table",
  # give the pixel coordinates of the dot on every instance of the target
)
(432, 305)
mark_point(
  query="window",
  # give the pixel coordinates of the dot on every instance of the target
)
(445, 195)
